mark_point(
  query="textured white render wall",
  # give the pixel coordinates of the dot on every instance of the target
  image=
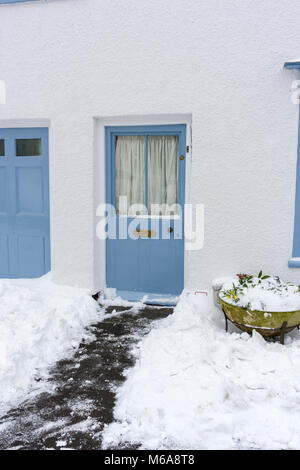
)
(221, 61)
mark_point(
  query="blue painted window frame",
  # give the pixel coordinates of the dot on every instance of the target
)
(110, 135)
(295, 263)
(15, 1)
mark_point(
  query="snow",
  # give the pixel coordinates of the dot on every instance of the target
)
(218, 282)
(270, 294)
(293, 61)
(40, 323)
(61, 443)
(194, 386)
(110, 298)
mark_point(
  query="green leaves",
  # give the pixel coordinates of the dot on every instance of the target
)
(260, 276)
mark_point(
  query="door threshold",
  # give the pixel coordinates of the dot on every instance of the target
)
(149, 298)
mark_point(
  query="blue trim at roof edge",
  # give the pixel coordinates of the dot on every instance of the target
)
(292, 65)
(3, 2)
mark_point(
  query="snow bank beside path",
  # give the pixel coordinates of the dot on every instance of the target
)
(195, 386)
(40, 323)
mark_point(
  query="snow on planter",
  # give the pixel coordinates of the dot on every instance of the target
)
(40, 323)
(266, 293)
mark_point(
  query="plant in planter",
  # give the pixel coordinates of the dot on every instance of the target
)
(264, 303)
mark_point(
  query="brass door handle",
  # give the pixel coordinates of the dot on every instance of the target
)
(144, 233)
(170, 229)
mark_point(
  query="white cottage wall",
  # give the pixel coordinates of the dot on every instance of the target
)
(70, 61)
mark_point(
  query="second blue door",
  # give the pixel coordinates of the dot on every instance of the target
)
(24, 203)
(145, 184)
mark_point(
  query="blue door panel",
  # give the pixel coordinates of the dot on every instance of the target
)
(4, 262)
(120, 272)
(146, 265)
(24, 204)
(31, 254)
(3, 197)
(30, 189)
(165, 269)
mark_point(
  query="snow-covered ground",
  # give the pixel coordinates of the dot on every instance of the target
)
(194, 386)
(40, 323)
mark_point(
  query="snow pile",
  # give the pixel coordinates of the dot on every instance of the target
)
(195, 386)
(261, 293)
(40, 323)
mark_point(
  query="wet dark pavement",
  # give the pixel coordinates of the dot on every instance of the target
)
(73, 414)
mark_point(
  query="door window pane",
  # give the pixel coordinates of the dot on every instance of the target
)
(28, 147)
(2, 148)
(162, 173)
(130, 174)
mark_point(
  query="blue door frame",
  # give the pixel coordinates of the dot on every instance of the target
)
(24, 203)
(155, 266)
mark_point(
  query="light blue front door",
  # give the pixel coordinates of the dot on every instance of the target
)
(146, 163)
(24, 203)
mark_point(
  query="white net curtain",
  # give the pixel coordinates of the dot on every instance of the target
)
(130, 172)
(162, 169)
